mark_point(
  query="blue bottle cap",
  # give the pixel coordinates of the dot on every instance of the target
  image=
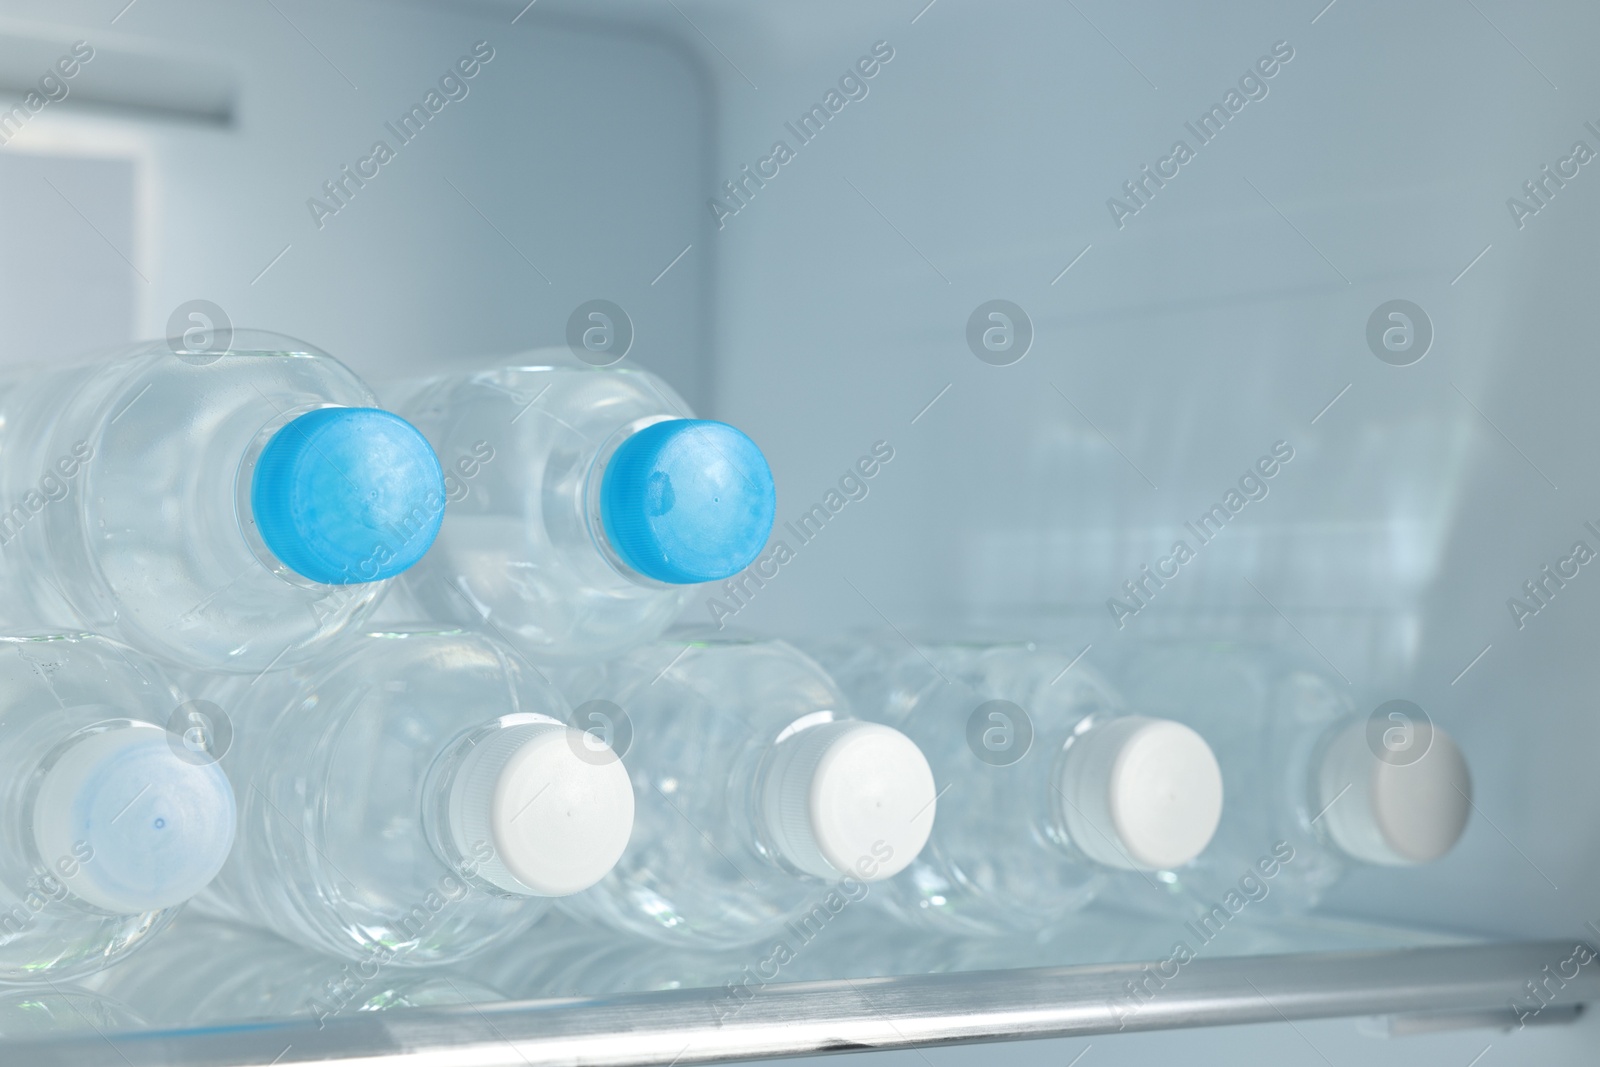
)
(347, 495)
(688, 500)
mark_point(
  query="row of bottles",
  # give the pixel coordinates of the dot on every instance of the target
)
(243, 510)
(1205, 764)
(427, 796)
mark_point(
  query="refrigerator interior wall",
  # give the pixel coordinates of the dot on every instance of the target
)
(575, 150)
(826, 307)
(1226, 314)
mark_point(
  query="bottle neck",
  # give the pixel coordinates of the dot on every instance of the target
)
(532, 809)
(1392, 791)
(169, 803)
(780, 799)
(58, 854)
(460, 844)
(594, 483)
(755, 779)
(1140, 793)
(848, 800)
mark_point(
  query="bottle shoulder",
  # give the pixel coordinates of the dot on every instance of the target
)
(549, 386)
(421, 686)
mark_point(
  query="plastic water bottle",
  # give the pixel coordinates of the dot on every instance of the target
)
(107, 822)
(229, 509)
(204, 972)
(55, 1011)
(413, 801)
(762, 801)
(1050, 785)
(1318, 786)
(584, 504)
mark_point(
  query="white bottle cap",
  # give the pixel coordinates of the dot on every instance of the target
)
(1394, 814)
(1141, 794)
(552, 810)
(849, 799)
(128, 825)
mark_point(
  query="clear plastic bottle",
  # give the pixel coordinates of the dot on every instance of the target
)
(1316, 786)
(107, 823)
(762, 800)
(584, 503)
(233, 509)
(54, 1011)
(412, 802)
(1051, 786)
(206, 971)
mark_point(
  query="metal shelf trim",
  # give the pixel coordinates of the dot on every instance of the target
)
(685, 1027)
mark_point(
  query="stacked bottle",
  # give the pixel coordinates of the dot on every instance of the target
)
(412, 802)
(585, 504)
(108, 823)
(761, 797)
(230, 510)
